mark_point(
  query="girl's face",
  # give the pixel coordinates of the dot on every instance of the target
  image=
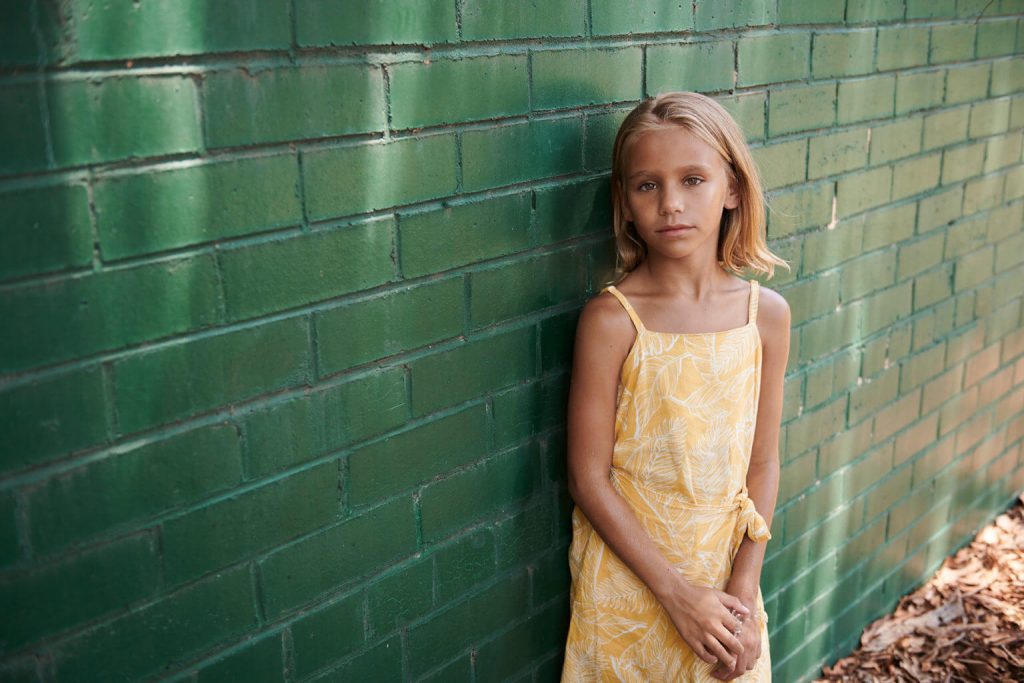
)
(676, 188)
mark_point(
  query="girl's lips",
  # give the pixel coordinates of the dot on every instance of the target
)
(675, 229)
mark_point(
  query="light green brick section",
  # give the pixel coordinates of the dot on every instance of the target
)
(803, 207)
(748, 110)
(476, 88)
(997, 38)
(945, 127)
(500, 20)
(865, 190)
(901, 47)
(915, 176)
(773, 58)
(578, 77)
(837, 153)
(865, 99)
(967, 83)
(383, 22)
(928, 9)
(919, 90)
(896, 140)
(963, 162)
(865, 11)
(800, 108)
(782, 163)
(701, 67)
(952, 43)
(1007, 76)
(244, 106)
(716, 15)
(848, 53)
(989, 118)
(811, 12)
(611, 17)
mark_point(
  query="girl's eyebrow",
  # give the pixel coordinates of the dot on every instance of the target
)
(687, 167)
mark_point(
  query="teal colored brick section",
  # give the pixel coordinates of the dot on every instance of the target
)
(47, 229)
(401, 461)
(131, 485)
(847, 53)
(900, 47)
(571, 78)
(401, 595)
(748, 110)
(473, 232)
(870, 98)
(468, 371)
(926, 9)
(702, 67)
(836, 153)
(298, 270)
(534, 637)
(864, 11)
(210, 372)
(243, 107)
(117, 118)
(261, 661)
(150, 640)
(22, 134)
(996, 38)
(773, 58)
(298, 430)
(526, 286)
(401, 319)
(782, 164)
(360, 178)
(380, 661)
(165, 209)
(499, 20)
(527, 151)
(811, 11)
(895, 140)
(52, 417)
(800, 108)
(382, 22)
(120, 31)
(610, 17)
(83, 587)
(456, 90)
(227, 531)
(109, 310)
(343, 620)
(300, 572)
(572, 210)
(715, 15)
(600, 137)
(16, 35)
(9, 550)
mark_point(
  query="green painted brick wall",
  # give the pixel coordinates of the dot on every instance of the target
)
(289, 300)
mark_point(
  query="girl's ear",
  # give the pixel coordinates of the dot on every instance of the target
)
(732, 199)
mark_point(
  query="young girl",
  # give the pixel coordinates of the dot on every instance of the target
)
(674, 412)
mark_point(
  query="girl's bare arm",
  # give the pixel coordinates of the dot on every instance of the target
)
(603, 338)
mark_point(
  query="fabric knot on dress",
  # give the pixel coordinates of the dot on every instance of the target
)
(750, 520)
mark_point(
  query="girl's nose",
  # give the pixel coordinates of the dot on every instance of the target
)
(671, 200)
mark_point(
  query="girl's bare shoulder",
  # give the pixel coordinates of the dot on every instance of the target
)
(773, 312)
(605, 321)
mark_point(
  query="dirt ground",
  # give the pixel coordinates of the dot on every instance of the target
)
(965, 624)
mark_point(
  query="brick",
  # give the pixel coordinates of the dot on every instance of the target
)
(529, 409)
(206, 373)
(298, 270)
(868, 399)
(973, 269)
(967, 83)
(611, 18)
(945, 127)
(863, 190)
(915, 176)
(939, 209)
(806, 206)
(828, 248)
(58, 596)
(381, 661)
(133, 484)
(403, 460)
(982, 193)
(919, 90)
(52, 417)
(517, 153)
(47, 230)
(537, 283)
(22, 136)
(571, 78)
(702, 67)
(801, 108)
(748, 110)
(900, 47)
(164, 209)
(243, 106)
(811, 12)
(473, 232)
(926, 9)
(474, 619)
(713, 15)
(96, 121)
(989, 118)
(572, 210)
(557, 334)
(288, 433)
(327, 634)
(996, 38)
(966, 236)
(386, 22)
(952, 43)
(882, 309)
(836, 153)
(16, 35)
(888, 226)
(9, 550)
(862, 11)
(919, 255)
(869, 98)
(467, 371)
(497, 20)
(799, 474)
(981, 365)
(466, 562)
(811, 298)
(867, 273)
(782, 163)
(400, 596)
(259, 661)
(180, 28)
(359, 178)
(1002, 151)
(600, 131)
(147, 641)
(846, 53)
(1007, 75)
(300, 572)
(526, 534)
(772, 58)
(895, 140)
(68, 318)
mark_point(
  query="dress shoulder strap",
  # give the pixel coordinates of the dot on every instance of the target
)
(755, 289)
(625, 304)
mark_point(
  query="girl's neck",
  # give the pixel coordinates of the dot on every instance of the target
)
(692, 279)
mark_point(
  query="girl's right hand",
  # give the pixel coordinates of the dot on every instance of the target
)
(704, 618)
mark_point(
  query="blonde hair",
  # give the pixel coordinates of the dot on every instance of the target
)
(741, 238)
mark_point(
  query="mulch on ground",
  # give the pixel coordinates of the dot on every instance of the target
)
(965, 624)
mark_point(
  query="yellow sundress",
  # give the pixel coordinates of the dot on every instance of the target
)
(684, 427)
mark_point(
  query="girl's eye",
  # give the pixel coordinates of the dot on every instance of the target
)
(693, 180)
(646, 187)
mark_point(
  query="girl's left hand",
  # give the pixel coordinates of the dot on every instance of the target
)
(750, 637)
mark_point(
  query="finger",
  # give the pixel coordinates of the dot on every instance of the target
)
(703, 652)
(730, 641)
(732, 602)
(718, 650)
